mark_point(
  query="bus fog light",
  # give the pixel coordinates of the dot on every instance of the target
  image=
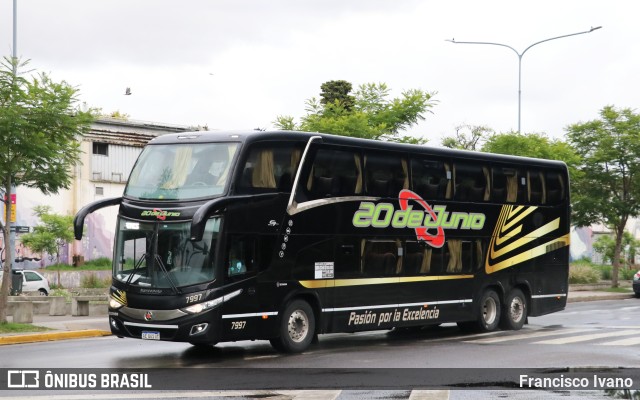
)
(197, 329)
(114, 324)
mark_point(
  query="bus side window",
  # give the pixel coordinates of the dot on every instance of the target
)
(241, 256)
(381, 258)
(508, 185)
(431, 179)
(334, 173)
(417, 259)
(385, 174)
(459, 256)
(270, 168)
(555, 188)
(471, 183)
(536, 187)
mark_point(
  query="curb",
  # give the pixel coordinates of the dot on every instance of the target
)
(621, 296)
(51, 336)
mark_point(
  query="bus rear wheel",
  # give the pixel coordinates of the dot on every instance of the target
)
(297, 328)
(514, 312)
(488, 316)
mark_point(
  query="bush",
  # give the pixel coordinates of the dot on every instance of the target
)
(98, 263)
(93, 282)
(92, 265)
(627, 274)
(61, 292)
(583, 274)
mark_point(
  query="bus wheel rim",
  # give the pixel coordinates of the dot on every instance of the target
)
(516, 310)
(298, 326)
(489, 311)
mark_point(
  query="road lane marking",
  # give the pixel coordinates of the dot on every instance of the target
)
(528, 335)
(429, 395)
(623, 342)
(585, 338)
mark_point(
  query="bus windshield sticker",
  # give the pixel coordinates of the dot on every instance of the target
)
(324, 270)
(382, 215)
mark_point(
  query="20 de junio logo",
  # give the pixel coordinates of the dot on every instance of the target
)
(30, 379)
(383, 215)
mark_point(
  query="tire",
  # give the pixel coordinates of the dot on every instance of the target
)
(488, 317)
(43, 292)
(297, 328)
(489, 311)
(514, 311)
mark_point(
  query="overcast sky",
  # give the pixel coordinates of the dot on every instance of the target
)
(237, 64)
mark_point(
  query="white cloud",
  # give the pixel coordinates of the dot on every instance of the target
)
(268, 57)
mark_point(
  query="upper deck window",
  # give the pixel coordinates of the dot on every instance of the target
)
(471, 182)
(270, 168)
(334, 173)
(431, 179)
(181, 171)
(386, 174)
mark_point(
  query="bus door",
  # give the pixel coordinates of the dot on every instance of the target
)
(239, 316)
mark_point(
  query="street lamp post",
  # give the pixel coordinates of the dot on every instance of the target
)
(520, 55)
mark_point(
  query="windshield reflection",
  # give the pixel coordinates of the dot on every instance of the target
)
(181, 171)
(160, 255)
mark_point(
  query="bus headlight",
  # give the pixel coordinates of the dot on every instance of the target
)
(207, 305)
(200, 307)
(113, 304)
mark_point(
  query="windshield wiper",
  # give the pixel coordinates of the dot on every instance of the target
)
(135, 268)
(164, 269)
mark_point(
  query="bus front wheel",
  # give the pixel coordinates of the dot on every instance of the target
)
(514, 312)
(297, 328)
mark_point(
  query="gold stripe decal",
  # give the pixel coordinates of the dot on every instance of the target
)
(120, 297)
(508, 245)
(326, 283)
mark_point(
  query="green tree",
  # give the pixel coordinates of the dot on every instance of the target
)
(333, 91)
(606, 245)
(534, 145)
(468, 137)
(374, 114)
(55, 231)
(38, 129)
(609, 190)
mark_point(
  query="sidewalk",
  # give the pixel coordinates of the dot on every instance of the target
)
(591, 295)
(61, 327)
(69, 327)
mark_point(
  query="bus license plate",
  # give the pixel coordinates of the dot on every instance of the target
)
(150, 335)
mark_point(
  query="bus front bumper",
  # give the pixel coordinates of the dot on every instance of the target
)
(193, 328)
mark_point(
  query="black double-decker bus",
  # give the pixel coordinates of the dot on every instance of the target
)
(286, 235)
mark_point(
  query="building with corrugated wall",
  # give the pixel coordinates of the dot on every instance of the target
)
(109, 151)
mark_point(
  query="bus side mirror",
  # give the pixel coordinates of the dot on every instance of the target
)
(211, 207)
(78, 220)
(202, 215)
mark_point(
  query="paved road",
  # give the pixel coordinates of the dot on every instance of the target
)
(601, 333)
(597, 333)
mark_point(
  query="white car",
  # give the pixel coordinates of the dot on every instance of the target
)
(32, 281)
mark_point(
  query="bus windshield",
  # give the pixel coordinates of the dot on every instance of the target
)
(160, 255)
(179, 172)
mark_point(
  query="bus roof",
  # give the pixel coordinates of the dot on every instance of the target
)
(250, 136)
